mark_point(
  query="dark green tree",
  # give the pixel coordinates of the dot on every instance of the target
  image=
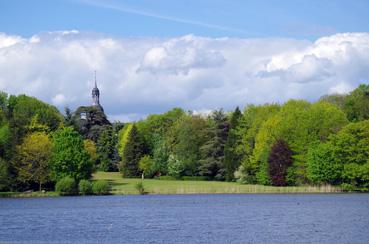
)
(90, 122)
(357, 104)
(187, 136)
(69, 157)
(5, 179)
(232, 157)
(68, 117)
(212, 152)
(107, 150)
(133, 151)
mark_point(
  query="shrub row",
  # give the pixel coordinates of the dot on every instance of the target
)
(69, 187)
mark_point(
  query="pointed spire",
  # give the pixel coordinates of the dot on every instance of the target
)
(95, 80)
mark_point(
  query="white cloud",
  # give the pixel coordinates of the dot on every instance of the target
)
(139, 76)
(7, 41)
(59, 100)
(178, 56)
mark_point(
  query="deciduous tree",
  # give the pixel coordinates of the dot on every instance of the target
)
(33, 157)
(69, 156)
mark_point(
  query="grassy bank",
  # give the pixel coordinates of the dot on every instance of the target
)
(29, 194)
(127, 186)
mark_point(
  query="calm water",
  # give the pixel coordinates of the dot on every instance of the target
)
(187, 219)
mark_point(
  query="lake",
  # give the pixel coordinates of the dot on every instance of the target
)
(251, 218)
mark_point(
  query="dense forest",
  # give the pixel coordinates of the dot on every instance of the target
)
(295, 143)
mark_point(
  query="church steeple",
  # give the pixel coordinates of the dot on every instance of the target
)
(96, 96)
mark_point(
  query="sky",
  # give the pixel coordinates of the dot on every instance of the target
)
(151, 56)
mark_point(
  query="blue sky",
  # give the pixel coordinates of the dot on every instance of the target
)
(308, 19)
(151, 56)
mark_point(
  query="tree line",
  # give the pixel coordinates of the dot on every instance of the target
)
(295, 143)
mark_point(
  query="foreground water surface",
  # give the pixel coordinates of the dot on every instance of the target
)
(333, 218)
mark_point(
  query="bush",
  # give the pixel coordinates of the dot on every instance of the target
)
(194, 178)
(101, 187)
(85, 187)
(67, 186)
(140, 188)
(347, 187)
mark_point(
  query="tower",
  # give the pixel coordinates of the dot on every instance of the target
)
(96, 96)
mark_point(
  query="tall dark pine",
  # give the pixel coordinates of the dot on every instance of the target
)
(107, 150)
(132, 154)
(232, 158)
(212, 152)
(280, 158)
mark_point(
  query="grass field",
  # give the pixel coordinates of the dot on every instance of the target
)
(127, 186)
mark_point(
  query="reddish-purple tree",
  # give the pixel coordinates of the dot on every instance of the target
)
(280, 158)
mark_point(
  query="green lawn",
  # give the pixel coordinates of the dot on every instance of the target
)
(127, 186)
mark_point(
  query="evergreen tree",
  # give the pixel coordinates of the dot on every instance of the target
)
(68, 117)
(133, 151)
(232, 158)
(212, 152)
(107, 151)
(280, 158)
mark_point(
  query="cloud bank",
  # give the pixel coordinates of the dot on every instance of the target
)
(139, 76)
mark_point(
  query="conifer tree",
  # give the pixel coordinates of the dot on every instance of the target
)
(212, 152)
(133, 151)
(107, 151)
(232, 159)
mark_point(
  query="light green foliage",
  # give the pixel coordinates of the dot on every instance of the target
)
(175, 167)
(301, 125)
(69, 156)
(146, 164)
(85, 187)
(187, 136)
(160, 155)
(140, 188)
(323, 165)
(351, 146)
(90, 148)
(101, 187)
(357, 104)
(24, 109)
(123, 138)
(247, 130)
(324, 120)
(66, 186)
(32, 159)
(158, 125)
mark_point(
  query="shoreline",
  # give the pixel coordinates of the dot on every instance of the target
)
(127, 186)
(56, 195)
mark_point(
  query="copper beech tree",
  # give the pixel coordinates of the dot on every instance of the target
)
(280, 158)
